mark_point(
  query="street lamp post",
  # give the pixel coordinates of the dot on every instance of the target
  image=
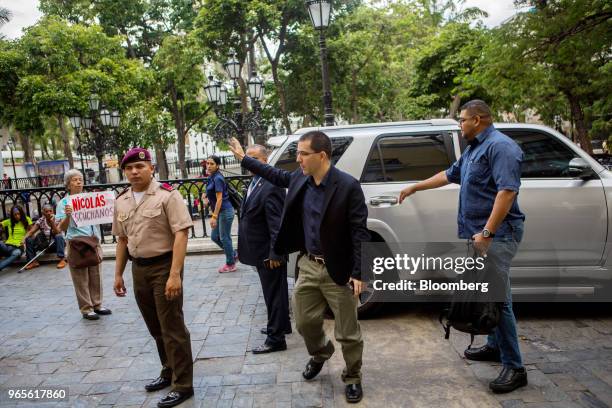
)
(100, 127)
(238, 123)
(75, 121)
(11, 145)
(320, 11)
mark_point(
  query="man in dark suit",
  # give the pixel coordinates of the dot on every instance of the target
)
(324, 217)
(260, 219)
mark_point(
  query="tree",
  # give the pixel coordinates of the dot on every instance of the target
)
(144, 25)
(178, 67)
(55, 66)
(558, 55)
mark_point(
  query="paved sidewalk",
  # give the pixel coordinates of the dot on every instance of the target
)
(407, 362)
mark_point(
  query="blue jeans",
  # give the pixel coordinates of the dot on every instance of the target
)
(222, 235)
(59, 244)
(10, 252)
(505, 337)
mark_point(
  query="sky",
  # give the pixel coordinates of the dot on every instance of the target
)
(26, 13)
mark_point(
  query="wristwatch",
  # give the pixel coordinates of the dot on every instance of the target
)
(487, 234)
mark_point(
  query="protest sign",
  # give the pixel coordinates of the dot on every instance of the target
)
(92, 208)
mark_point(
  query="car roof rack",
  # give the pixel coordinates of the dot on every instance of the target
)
(429, 122)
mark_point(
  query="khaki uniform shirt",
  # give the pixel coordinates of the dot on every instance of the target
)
(150, 226)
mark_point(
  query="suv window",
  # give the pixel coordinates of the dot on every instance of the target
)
(286, 161)
(409, 157)
(543, 155)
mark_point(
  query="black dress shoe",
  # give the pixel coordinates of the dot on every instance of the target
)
(103, 311)
(312, 369)
(174, 398)
(267, 348)
(265, 331)
(90, 316)
(509, 379)
(353, 393)
(484, 353)
(158, 384)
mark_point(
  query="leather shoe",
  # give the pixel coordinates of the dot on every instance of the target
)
(484, 353)
(312, 369)
(90, 316)
(353, 393)
(265, 331)
(174, 398)
(158, 384)
(509, 379)
(103, 311)
(268, 348)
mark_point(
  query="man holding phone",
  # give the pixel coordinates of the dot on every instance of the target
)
(260, 219)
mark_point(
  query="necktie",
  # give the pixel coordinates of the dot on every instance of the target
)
(252, 186)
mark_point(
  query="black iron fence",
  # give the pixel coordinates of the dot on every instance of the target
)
(32, 182)
(197, 168)
(192, 190)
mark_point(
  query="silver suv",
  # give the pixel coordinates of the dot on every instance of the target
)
(564, 194)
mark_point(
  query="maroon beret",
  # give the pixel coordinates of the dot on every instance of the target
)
(135, 154)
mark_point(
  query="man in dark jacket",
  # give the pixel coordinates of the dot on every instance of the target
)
(324, 218)
(260, 219)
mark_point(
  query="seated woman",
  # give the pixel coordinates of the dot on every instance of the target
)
(16, 228)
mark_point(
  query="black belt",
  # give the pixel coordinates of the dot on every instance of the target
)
(151, 261)
(316, 258)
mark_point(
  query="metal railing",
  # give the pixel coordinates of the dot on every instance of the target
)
(33, 199)
(32, 182)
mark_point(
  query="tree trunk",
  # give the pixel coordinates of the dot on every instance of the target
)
(26, 146)
(65, 141)
(454, 107)
(282, 98)
(582, 131)
(355, 116)
(162, 164)
(179, 125)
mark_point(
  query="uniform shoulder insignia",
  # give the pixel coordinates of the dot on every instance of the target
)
(122, 193)
(167, 187)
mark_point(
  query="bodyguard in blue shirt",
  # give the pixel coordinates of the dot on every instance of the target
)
(489, 172)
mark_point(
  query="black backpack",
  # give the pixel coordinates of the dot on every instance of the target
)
(471, 312)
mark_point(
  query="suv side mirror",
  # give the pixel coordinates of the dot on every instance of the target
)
(579, 168)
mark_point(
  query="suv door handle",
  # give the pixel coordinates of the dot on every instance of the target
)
(377, 201)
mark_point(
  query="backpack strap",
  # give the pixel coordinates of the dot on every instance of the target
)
(471, 341)
(446, 325)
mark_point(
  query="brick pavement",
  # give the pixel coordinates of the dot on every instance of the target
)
(407, 363)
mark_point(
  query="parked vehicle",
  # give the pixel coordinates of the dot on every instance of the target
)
(564, 194)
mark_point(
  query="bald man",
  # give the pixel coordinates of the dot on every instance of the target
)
(260, 219)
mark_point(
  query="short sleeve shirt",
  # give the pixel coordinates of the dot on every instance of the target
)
(73, 230)
(17, 233)
(216, 183)
(44, 226)
(491, 163)
(150, 226)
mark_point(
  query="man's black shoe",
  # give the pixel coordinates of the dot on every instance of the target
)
(484, 353)
(174, 398)
(103, 311)
(267, 348)
(353, 393)
(265, 331)
(158, 384)
(509, 379)
(312, 369)
(90, 316)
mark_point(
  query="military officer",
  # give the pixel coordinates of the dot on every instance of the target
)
(151, 224)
